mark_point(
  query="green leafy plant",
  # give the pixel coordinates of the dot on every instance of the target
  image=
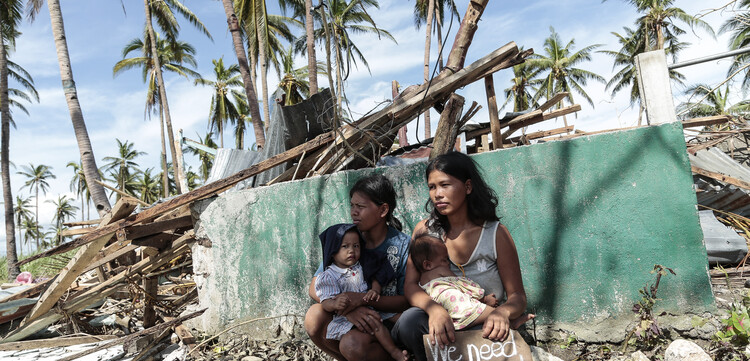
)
(647, 331)
(736, 330)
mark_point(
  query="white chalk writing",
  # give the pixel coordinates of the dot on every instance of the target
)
(493, 350)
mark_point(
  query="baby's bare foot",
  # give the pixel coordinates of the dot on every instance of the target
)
(400, 355)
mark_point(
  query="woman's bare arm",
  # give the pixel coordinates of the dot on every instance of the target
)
(496, 327)
(311, 290)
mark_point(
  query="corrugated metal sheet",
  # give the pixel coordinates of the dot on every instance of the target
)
(716, 194)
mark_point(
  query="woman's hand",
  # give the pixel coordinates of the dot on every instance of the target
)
(441, 326)
(364, 319)
(496, 326)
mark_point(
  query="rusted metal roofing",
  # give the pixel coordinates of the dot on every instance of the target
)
(716, 194)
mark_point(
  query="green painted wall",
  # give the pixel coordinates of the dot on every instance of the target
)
(590, 217)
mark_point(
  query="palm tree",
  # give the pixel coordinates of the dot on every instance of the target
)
(37, 178)
(524, 80)
(101, 202)
(632, 43)
(739, 29)
(560, 64)
(657, 21)
(264, 34)
(424, 10)
(21, 211)
(164, 12)
(295, 82)
(147, 186)
(78, 184)
(64, 210)
(310, 43)
(10, 17)
(205, 158)
(123, 167)
(712, 102)
(222, 109)
(247, 81)
(171, 57)
(32, 230)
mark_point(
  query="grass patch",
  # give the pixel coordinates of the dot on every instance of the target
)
(43, 267)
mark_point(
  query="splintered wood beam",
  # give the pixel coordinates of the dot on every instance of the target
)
(77, 264)
(144, 230)
(448, 126)
(552, 101)
(110, 256)
(489, 89)
(721, 177)
(543, 133)
(76, 231)
(54, 342)
(516, 125)
(464, 36)
(706, 121)
(82, 223)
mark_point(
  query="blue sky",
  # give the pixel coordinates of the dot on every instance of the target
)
(97, 31)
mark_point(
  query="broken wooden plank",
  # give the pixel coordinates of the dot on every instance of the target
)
(706, 121)
(552, 101)
(33, 291)
(542, 134)
(82, 223)
(76, 231)
(515, 125)
(448, 126)
(78, 263)
(708, 144)
(721, 177)
(489, 89)
(182, 332)
(149, 331)
(54, 342)
(144, 230)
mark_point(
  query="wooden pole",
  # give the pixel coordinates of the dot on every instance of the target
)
(489, 88)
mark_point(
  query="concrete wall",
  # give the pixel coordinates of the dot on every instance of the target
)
(590, 217)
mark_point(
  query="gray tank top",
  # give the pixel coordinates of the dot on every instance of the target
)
(482, 265)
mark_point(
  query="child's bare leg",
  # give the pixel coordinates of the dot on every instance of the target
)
(384, 337)
(480, 320)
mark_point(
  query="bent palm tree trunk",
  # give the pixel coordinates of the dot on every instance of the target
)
(88, 162)
(252, 97)
(10, 234)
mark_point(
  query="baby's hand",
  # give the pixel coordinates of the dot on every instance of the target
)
(341, 302)
(489, 300)
(371, 296)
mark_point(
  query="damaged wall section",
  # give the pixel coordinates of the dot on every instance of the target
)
(591, 217)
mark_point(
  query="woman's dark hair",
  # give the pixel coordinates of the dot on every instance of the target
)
(380, 191)
(481, 202)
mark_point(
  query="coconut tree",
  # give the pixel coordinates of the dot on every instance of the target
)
(739, 29)
(172, 57)
(294, 83)
(31, 230)
(559, 63)
(712, 102)
(205, 158)
(657, 21)
(349, 18)
(122, 167)
(164, 12)
(523, 84)
(223, 110)
(632, 43)
(64, 210)
(147, 186)
(10, 17)
(78, 184)
(264, 33)
(37, 179)
(424, 12)
(21, 211)
(248, 84)
(101, 202)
